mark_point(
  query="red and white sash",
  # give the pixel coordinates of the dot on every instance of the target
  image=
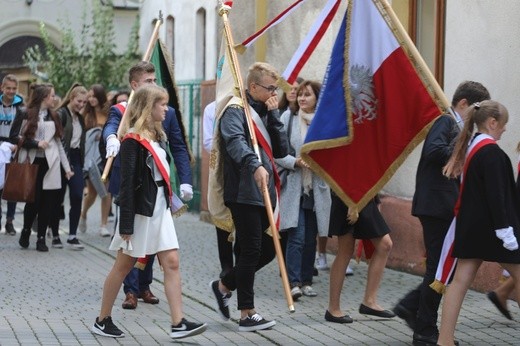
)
(164, 173)
(447, 263)
(142, 261)
(262, 137)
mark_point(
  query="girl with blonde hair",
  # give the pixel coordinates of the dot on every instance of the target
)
(146, 225)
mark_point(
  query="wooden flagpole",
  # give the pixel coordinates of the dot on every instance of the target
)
(223, 12)
(146, 57)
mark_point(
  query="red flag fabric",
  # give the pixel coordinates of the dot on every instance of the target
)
(374, 107)
(311, 40)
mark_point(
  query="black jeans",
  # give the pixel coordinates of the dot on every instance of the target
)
(253, 249)
(225, 250)
(424, 300)
(44, 201)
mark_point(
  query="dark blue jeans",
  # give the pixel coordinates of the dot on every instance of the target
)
(137, 280)
(301, 249)
(11, 209)
(76, 185)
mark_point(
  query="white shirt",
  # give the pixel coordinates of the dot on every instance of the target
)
(208, 125)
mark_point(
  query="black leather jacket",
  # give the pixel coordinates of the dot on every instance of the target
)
(240, 160)
(138, 189)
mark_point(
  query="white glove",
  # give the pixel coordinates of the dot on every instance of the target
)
(186, 192)
(508, 237)
(112, 146)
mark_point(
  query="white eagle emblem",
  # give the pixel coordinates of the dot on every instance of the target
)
(364, 102)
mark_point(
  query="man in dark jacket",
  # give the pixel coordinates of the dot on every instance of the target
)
(10, 103)
(245, 177)
(433, 203)
(137, 282)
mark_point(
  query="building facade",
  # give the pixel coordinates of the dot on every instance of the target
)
(20, 22)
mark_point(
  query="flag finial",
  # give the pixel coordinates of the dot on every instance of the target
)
(225, 6)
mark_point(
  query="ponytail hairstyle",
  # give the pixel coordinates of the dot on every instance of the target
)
(476, 115)
(39, 92)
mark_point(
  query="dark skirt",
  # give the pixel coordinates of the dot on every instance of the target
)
(369, 225)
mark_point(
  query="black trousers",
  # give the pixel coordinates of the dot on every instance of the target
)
(44, 201)
(424, 300)
(253, 249)
(225, 250)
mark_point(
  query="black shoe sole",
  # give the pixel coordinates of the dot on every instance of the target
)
(24, 239)
(365, 310)
(343, 319)
(193, 332)
(405, 314)
(219, 310)
(492, 296)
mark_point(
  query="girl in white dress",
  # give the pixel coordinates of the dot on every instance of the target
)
(146, 224)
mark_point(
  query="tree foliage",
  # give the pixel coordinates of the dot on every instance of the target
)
(92, 60)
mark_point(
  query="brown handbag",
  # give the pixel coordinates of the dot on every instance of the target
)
(20, 180)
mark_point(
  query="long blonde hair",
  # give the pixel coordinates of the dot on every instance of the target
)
(476, 116)
(138, 116)
(75, 90)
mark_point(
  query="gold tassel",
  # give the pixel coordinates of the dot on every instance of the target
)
(438, 287)
(353, 215)
(240, 49)
(140, 263)
(180, 211)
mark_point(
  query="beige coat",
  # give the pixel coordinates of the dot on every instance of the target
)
(55, 155)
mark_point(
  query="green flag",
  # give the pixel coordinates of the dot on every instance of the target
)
(164, 74)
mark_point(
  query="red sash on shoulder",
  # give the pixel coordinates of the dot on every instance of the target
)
(265, 144)
(156, 158)
(447, 262)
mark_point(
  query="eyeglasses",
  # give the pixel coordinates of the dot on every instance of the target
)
(270, 88)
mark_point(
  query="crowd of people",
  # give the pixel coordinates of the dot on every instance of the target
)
(310, 211)
(52, 133)
(64, 140)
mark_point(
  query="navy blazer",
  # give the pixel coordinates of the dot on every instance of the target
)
(435, 195)
(178, 148)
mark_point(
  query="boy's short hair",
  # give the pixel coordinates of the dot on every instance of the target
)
(10, 78)
(139, 69)
(471, 91)
(258, 70)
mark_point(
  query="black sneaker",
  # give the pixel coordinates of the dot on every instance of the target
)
(187, 328)
(76, 245)
(40, 245)
(222, 300)
(9, 228)
(107, 328)
(24, 238)
(56, 243)
(253, 323)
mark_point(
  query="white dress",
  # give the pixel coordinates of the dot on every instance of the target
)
(151, 234)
